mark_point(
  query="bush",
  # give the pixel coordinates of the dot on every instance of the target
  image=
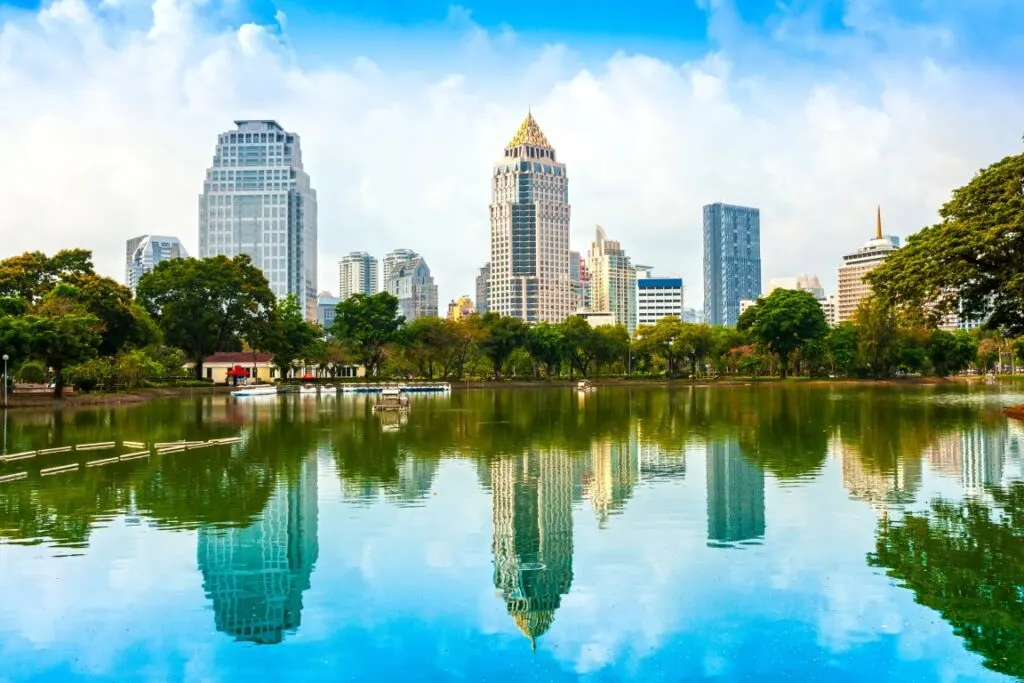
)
(31, 372)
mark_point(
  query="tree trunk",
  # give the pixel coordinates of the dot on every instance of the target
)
(198, 369)
(58, 382)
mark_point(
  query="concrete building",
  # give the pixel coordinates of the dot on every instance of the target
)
(803, 283)
(357, 274)
(483, 288)
(144, 252)
(325, 305)
(732, 260)
(579, 276)
(530, 230)
(612, 280)
(392, 260)
(852, 287)
(409, 280)
(692, 315)
(461, 308)
(257, 200)
(745, 304)
(597, 318)
(830, 306)
(657, 298)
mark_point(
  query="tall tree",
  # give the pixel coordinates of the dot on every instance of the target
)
(878, 333)
(664, 340)
(547, 346)
(972, 262)
(950, 352)
(784, 321)
(843, 347)
(206, 305)
(501, 336)
(286, 334)
(366, 325)
(580, 343)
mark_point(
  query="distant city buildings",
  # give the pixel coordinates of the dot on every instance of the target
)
(597, 318)
(325, 305)
(692, 315)
(144, 252)
(357, 274)
(657, 298)
(732, 260)
(257, 200)
(852, 289)
(461, 308)
(803, 283)
(483, 289)
(410, 281)
(529, 216)
(612, 280)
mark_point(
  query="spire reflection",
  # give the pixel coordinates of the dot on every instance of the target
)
(255, 575)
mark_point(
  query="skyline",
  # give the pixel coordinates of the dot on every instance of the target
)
(810, 117)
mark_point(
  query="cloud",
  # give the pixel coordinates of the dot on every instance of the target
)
(109, 115)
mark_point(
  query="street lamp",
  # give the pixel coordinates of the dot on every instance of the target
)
(6, 358)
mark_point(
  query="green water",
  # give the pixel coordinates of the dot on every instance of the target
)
(782, 533)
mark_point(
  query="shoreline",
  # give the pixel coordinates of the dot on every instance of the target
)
(18, 401)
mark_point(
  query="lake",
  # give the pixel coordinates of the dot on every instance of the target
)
(768, 533)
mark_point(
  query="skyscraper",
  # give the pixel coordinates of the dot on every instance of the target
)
(409, 280)
(483, 288)
(735, 495)
(732, 260)
(392, 260)
(357, 274)
(257, 200)
(612, 280)
(852, 289)
(530, 230)
(144, 252)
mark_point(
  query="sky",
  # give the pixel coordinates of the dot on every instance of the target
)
(814, 111)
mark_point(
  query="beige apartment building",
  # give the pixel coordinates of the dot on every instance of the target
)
(852, 289)
(612, 280)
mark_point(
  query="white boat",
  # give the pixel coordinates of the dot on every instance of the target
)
(254, 391)
(307, 389)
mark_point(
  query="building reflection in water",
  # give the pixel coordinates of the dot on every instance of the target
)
(974, 457)
(255, 575)
(880, 484)
(613, 473)
(735, 495)
(532, 498)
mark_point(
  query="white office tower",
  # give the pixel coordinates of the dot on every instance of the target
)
(357, 275)
(144, 252)
(257, 200)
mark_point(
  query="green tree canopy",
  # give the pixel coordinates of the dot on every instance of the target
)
(546, 345)
(972, 262)
(286, 333)
(501, 336)
(784, 321)
(206, 305)
(366, 325)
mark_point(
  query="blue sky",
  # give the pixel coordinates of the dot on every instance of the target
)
(814, 112)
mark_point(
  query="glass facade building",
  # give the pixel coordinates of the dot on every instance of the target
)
(257, 201)
(732, 260)
(144, 252)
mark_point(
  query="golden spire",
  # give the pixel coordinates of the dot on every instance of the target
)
(878, 223)
(529, 133)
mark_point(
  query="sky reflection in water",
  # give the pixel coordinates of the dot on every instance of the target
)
(696, 534)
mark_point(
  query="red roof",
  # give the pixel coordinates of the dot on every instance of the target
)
(238, 357)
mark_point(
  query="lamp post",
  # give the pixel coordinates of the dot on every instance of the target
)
(6, 358)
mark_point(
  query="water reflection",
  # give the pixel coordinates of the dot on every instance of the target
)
(931, 486)
(255, 575)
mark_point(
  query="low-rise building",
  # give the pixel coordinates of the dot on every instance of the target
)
(597, 318)
(657, 298)
(325, 305)
(222, 366)
(461, 308)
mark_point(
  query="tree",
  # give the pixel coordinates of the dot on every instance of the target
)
(580, 343)
(664, 340)
(206, 305)
(501, 336)
(697, 341)
(878, 333)
(425, 343)
(612, 344)
(784, 321)
(546, 345)
(366, 325)
(63, 341)
(32, 275)
(987, 354)
(843, 345)
(972, 262)
(286, 334)
(950, 353)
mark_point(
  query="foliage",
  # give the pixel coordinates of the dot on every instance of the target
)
(663, 340)
(972, 262)
(843, 346)
(206, 305)
(950, 352)
(987, 354)
(32, 372)
(546, 345)
(286, 334)
(501, 336)
(783, 322)
(366, 325)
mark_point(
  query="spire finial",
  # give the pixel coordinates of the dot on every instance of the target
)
(878, 223)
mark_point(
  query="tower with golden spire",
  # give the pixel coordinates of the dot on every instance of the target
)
(529, 270)
(852, 289)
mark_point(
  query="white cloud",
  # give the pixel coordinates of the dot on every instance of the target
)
(107, 126)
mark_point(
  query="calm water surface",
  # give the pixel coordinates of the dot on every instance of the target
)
(729, 534)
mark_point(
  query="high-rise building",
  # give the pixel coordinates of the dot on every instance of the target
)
(461, 308)
(255, 575)
(257, 200)
(357, 274)
(144, 252)
(803, 283)
(692, 315)
(735, 495)
(325, 305)
(483, 288)
(612, 280)
(657, 298)
(530, 230)
(852, 287)
(409, 280)
(732, 260)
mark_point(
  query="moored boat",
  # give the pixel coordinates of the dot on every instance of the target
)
(391, 399)
(254, 391)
